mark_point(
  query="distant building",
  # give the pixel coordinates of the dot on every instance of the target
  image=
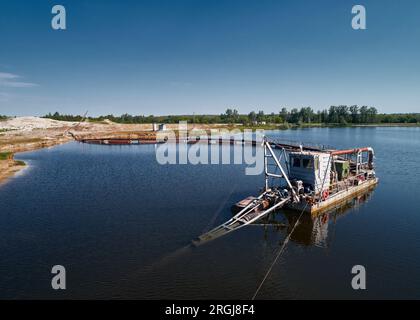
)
(159, 127)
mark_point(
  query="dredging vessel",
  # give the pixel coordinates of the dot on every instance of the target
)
(302, 178)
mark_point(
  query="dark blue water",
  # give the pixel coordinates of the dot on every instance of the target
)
(121, 224)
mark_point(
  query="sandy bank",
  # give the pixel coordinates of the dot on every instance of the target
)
(8, 168)
(21, 134)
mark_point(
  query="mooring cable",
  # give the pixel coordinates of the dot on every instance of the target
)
(287, 240)
(278, 254)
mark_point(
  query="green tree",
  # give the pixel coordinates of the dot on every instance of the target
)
(252, 116)
(354, 112)
(260, 116)
(284, 114)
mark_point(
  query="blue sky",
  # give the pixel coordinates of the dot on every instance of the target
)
(184, 56)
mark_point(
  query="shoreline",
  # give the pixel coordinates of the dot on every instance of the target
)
(9, 167)
(289, 126)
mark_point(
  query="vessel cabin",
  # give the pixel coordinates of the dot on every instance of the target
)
(312, 168)
(332, 171)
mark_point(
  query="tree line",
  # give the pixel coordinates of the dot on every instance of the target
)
(333, 115)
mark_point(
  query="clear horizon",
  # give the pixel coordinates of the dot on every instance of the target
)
(183, 57)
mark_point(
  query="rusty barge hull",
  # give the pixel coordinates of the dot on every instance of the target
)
(336, 200)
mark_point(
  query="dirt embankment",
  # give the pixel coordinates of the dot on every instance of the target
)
(8, 166)
(31, 133)
(21, 134)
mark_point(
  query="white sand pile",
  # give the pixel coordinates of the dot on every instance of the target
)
(107, 121)
(30, 123)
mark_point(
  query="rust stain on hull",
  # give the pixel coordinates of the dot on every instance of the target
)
(336, 200)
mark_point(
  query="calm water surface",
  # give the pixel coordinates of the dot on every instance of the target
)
(121, 224)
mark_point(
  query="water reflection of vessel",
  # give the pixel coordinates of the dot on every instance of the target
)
(313, 227)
